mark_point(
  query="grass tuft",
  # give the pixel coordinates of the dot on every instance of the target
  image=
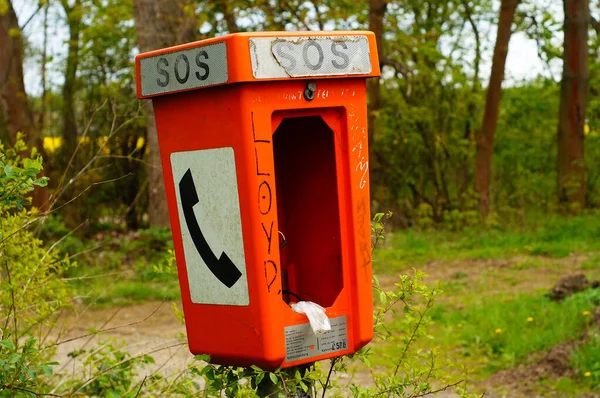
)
(551, 237)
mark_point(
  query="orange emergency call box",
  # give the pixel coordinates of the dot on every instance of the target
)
(263, 141)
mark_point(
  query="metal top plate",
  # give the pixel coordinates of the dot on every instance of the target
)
(248, 57)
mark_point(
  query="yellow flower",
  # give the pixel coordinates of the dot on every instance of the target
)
(528, 248)
(587, 374)
(459, 325)
(585, 313)
(498, 330)
(530, 319)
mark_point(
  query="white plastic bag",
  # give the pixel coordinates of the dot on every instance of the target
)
(319, 322)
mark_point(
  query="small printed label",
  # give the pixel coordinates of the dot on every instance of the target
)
(274, 57)
(301, 342)
(196, 67)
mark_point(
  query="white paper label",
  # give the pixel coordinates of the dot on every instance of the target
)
(301, 342)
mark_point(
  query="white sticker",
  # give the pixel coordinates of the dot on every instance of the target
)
(211, 225)
(301, 342)
(196, 67)
(274, 57)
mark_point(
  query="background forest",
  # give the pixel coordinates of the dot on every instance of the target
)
(494, 186)
(444, 147)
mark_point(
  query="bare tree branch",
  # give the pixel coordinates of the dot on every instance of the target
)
(595, 24)
(108, 329)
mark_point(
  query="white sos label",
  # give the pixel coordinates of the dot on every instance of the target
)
(309, 56)
(196, 67)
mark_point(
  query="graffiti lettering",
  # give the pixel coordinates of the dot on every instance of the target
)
(265, 207)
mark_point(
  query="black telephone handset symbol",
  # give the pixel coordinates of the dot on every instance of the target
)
(223, 268)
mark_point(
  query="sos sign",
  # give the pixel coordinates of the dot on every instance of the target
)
(185, 69)
(270, 57)
(309, 56)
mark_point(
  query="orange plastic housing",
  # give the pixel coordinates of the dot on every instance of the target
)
(301, 174)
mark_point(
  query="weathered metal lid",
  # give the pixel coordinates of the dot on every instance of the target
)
(252, 57)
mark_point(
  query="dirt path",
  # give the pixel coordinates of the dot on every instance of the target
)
(150, 328)
(153, 327)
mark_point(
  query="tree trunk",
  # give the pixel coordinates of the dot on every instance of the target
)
(228, 13)
(159, 24)
(573, 90)
(16, 112)
(41, 119)
(485, 138)
(377, 10)
(472, 108)
(74, 16)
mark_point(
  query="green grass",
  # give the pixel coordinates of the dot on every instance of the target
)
(128, 292)
(593, 262)
(564, 387)
(99, 288)
(586, 361)
(115, 282)
(481, 320)
(507, 329)
(502, 331)
(116, 267)
(497, 316)
(552, 237)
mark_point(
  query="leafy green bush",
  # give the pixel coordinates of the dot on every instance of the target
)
(108, 371)
(31, 290)
(21, 366)
(154, 241)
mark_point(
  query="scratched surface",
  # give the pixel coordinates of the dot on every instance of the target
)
(274, 57)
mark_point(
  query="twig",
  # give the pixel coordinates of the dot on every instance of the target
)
(79, 278)
(61, 239)
(333, 361)
(91, 379)
(12, 305)
(109, 329)
(59, 188)
(49, 330)
(31, 17)
(380, 233)
(37, 394)
(145, 163)
(87, 342)
(439, 389)
(595, 24)
(165, 362)
(141, 385)
(412, 338)
(138, 196)
(113, 131)
(47, 213)
(177, 375)
(72, 256)
(87, 189)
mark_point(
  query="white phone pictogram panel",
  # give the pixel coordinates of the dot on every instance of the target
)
(211, 225)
